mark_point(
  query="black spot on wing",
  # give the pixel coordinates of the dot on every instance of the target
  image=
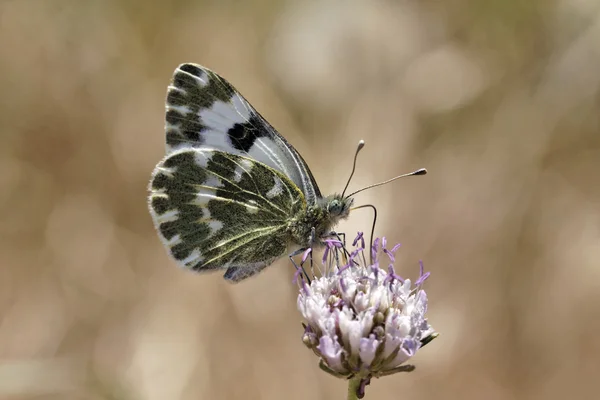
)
(169, 229)
(206, 267)
(197, 235)
(242, 136)
(181, 251)
(160, 205)
(174, 117)
(176, 98)
(192, 69)
(160, 181)
(185, 163)
(222, 165)
(188, 84)
(191, 211)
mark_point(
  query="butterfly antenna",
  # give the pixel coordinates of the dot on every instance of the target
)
(372, 227)
(421, 171)
(361, 144)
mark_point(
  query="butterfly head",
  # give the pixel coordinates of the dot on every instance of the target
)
(338, 206)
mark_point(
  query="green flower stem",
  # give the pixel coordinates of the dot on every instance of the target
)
(353, 385)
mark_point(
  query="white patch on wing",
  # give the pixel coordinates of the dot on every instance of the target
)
(251, 206)
(222, 116)
(202, 158)
(165, 171)
(244, 167)
(268, 152)
(278, 156)
(241, 107)
(237, 174)
(246, 164)
(173, 241)
(213, 182)
(202, 81)
(171, 215)
(205, 193)
(171, 127)
(215, 226)
(195, 257)
(180, 109)
(277, 188)
(218, 140)
(175, 89)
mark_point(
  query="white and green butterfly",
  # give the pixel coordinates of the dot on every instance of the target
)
(232, 193)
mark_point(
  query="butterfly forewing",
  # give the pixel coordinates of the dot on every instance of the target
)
(217, 210)
(204, 111)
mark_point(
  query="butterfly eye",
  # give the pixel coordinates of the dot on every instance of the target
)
(335, 207)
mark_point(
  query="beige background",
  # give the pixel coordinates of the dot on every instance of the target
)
(499, 99)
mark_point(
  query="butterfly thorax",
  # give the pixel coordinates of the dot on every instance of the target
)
(322, 217)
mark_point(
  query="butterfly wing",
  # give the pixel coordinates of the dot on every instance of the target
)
(217, 210)
(206, 111)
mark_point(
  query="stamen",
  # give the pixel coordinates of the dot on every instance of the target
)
(325, 253)
(395, 248)
(423, 276)
(390, 255)
(374, 250)
(298, 276)
(393, 276)
(358, 238)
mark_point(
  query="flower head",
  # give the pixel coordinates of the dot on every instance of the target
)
(363, 320)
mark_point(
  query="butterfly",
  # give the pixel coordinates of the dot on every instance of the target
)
(232, 193)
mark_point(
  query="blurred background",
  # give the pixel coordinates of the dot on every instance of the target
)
(499, 99)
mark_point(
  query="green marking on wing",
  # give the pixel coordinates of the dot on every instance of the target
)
(242, 249)
(233, 189)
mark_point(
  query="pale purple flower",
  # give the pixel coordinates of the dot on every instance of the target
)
(360, 319)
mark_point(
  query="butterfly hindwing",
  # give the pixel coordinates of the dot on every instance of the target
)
(203, 110)
(216, 210)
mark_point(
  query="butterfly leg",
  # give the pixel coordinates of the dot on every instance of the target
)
(341, 237)
(300, 268)
(343, 240)
(313, 237)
